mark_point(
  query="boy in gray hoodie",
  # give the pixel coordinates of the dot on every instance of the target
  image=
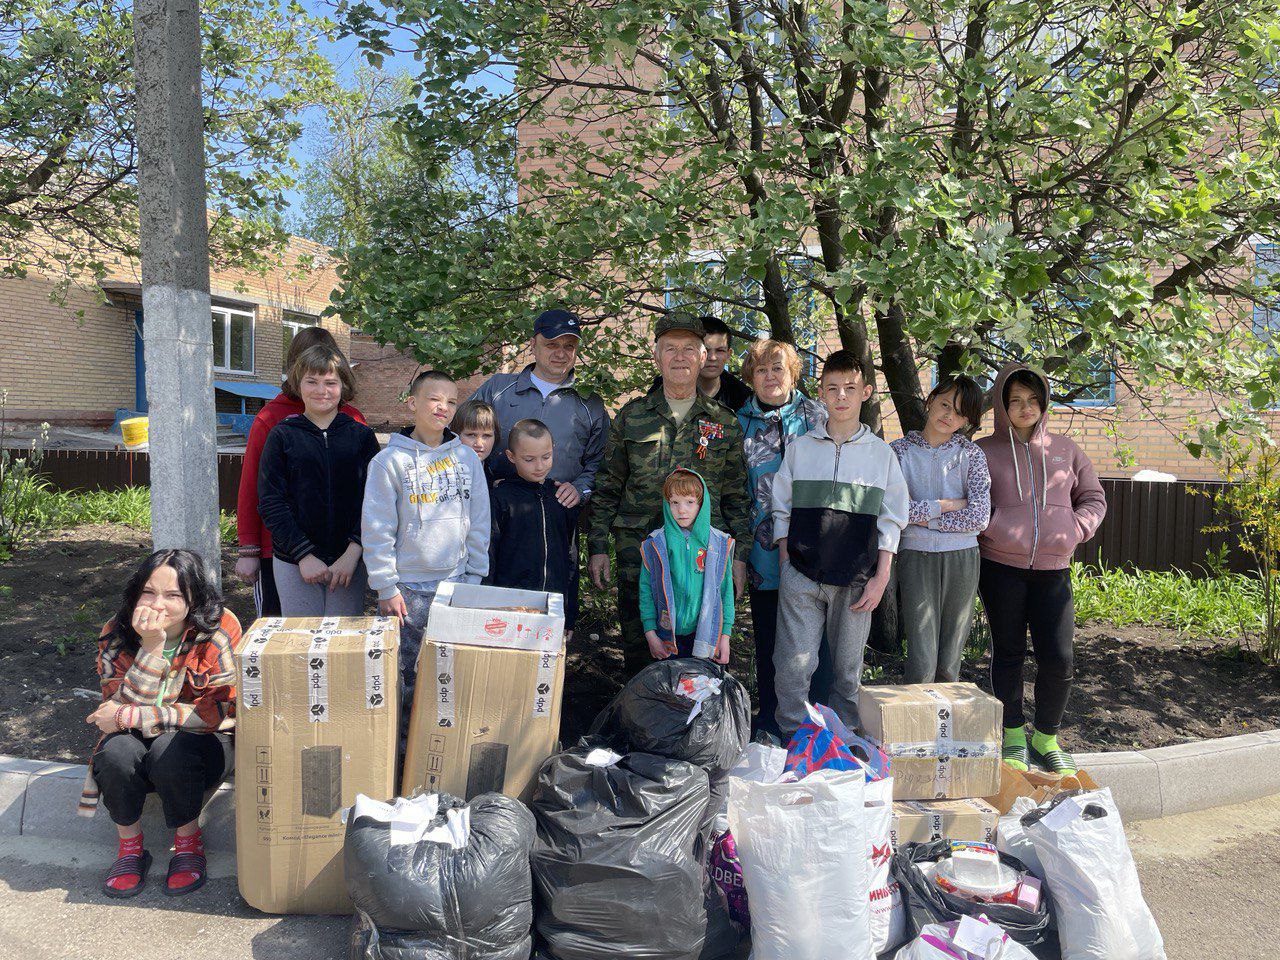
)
(425, 519)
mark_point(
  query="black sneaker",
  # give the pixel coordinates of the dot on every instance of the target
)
(1054, 761)
(1015, 755)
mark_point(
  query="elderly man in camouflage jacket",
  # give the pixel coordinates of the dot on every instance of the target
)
(650, 437)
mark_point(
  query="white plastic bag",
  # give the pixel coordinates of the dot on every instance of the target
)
(1090, 873)
(803, 851)
(946, 941)
(1013, 840)
(888, 915)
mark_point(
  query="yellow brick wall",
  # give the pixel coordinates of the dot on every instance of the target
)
(74, 362)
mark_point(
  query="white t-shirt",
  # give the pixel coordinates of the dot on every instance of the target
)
(545, 388)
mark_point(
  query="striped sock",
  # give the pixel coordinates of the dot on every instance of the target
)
(131, 847)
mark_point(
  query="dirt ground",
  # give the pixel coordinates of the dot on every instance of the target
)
(1135, 687)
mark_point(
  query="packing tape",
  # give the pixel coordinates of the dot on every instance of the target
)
(943, 748)
(329, 623)
(936, 819)
(318, 679)
(251, 668)
(544, 685)
(445, 706)
(375, 671)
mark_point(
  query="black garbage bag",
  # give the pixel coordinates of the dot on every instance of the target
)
(617, 864)
(429, 900)
(671, 708)
(926, 902)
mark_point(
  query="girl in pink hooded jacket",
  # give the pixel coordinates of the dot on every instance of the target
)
(1045, 500)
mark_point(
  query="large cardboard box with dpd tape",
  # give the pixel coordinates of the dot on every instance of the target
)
(919, 821)
(943, 738)
(486, 712)
(315, 725)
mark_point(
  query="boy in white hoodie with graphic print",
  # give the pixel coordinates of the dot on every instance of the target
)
(425, 519)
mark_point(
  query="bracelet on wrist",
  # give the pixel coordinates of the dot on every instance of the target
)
(120, 713)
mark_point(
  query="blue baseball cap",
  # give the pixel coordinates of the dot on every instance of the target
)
(557, 323)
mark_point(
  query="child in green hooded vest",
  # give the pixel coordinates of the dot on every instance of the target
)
(686, 595)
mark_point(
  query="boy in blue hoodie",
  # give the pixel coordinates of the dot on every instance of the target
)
(425, 518)
(686, 594)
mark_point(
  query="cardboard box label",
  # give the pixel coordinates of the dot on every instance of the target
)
(318, 679)
(251, 667)
(446, 701)
(375, 671)
(544, 685)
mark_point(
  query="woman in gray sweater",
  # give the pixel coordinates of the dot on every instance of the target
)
(950, 490)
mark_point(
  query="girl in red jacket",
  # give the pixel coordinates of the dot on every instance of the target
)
(1045, 501)
(254, 565)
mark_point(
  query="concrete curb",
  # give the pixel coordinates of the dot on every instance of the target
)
(38, 799)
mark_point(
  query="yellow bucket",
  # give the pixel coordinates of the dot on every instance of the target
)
(134, 431)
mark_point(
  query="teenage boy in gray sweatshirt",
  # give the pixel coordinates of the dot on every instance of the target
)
(839, 506)
(425, 519)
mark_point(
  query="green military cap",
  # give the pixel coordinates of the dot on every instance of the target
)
(679, 320)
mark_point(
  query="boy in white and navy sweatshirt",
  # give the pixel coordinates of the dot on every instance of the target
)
(839, 506)
(425, 519)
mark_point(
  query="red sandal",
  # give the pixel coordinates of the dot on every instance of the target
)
(186, 861)
(129, 865)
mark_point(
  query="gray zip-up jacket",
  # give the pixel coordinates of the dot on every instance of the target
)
(426, 514)
(579, 425)
(957, 470)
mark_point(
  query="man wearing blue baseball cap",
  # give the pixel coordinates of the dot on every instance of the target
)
(544, 390)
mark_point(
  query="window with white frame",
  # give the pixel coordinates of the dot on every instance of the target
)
(232, 340)
(291, 324)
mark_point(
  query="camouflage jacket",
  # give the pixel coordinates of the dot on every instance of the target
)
(645, 445)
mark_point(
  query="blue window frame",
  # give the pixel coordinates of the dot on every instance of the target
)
(1266, 273)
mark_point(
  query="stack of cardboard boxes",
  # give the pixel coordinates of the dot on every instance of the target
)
(317, 725)
(943, 740)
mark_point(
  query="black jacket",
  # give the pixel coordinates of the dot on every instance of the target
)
(311, 486)
(531, 547)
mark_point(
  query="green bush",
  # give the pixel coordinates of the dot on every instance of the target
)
(130, 506)
(1228, 607)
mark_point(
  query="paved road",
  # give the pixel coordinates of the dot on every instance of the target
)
(1211, 879)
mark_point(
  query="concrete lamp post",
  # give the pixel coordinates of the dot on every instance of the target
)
(177, 327)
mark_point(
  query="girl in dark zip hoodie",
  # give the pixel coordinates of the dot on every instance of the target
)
(310, 489)
(1045, 501)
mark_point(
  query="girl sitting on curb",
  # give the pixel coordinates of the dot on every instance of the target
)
(167, 670)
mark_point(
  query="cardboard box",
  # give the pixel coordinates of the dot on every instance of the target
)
(1039, 785)
(486, 712)
(943, 738)
(916, 821)
(315, 725)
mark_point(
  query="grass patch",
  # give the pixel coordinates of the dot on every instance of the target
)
(1221, 608)
(131, 507)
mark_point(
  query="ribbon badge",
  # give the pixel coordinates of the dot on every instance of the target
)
(706, 433)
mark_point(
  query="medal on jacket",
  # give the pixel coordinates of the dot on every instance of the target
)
(706, 433)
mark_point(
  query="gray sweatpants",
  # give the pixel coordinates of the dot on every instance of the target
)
(805, 608)
(301, 599)
(935, 597)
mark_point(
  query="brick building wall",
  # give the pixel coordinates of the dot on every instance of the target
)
(89, 373)
(383, 374)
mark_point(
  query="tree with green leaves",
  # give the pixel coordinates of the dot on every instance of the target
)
(359, 156)
(68, 151)
(932, 181)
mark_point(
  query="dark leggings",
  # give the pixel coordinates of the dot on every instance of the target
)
(1039, 600)
(264, 591)
(178, 765)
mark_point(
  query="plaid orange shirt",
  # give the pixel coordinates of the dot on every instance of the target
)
(198, 683)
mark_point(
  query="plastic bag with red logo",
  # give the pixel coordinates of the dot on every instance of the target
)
(888, 913)
(683, 708)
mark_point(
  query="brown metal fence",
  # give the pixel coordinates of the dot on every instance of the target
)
(1149, 526)
(117, 469)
